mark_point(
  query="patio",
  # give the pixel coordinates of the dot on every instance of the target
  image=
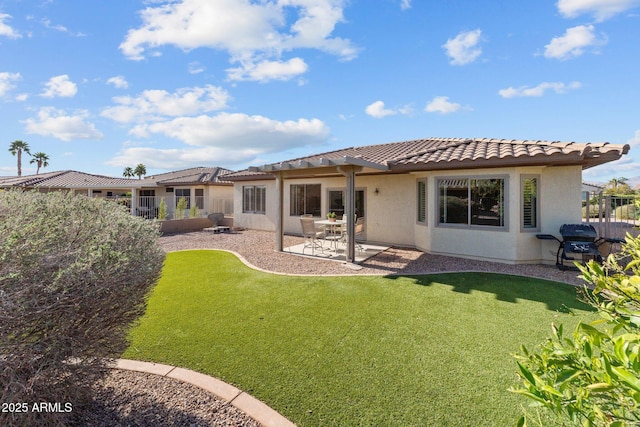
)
(363, 252)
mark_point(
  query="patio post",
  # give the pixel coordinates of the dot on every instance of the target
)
(134, 201)
(279, 212)
(350, 209)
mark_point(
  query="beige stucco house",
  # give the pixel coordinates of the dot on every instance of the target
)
(476, 198)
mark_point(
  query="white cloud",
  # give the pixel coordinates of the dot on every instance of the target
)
(179, 158)
(268, 70)
(61, 28)
(635, 140)
(240, 131)
(6, 30)
(196, 68)
(6, 82)
(539, 90)
(573, 43)
(58, 124)
(59, 86)
(118, 81)
(158, 104)
(405, 4)
(441, 104)
(600, 9)
(250, 32)
(463, 48)
(378, 111)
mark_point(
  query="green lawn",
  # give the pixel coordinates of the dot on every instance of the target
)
(423, 350)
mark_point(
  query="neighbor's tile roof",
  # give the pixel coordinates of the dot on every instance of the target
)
(198, 175)
(67, 179)
(462, 153)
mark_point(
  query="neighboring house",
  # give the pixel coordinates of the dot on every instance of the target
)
(78, 182)
(477, 198)
(202, 187)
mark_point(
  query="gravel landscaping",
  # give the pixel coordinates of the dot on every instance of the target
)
(127, 398)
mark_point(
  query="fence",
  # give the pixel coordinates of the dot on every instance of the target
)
(612, 216)
(149, 206)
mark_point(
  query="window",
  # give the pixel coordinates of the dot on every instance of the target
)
(421, 198)
(529, 186)
(305, 199)
(254, 199)
(183, 192)
(199, 192)
(472, 202)
(336, 202)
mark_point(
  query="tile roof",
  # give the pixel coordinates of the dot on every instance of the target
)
(197, 175)
(67, 179)
(459, 153)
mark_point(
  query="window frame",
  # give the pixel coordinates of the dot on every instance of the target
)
(305, 194)
(422, 216)
(359, 212)
(468, 224)
(523, 227)
(180, 190)
(257, 199)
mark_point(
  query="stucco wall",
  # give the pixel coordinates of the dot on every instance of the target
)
(391, 214)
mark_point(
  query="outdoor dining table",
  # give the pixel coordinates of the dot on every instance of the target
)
(332, 227)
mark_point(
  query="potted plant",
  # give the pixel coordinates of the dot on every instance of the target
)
(331, 216)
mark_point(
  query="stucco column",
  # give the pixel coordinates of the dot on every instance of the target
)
(279, 212)
(350, 210)
(134, 202)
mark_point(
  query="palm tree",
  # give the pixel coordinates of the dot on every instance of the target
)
(41, 159)
(17, 148)
(614, 182)
(140, 170)
(128, 172)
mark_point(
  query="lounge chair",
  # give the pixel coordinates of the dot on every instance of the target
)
(216, 218)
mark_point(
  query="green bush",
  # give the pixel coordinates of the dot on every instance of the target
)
(626, 212)
(162, 210)
(594, 211)
(592, 376)
(181, 206)
(74, 275)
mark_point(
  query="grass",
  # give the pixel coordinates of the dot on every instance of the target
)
(422, 350)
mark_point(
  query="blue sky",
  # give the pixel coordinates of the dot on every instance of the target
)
(173, 84)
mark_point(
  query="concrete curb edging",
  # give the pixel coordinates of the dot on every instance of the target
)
(236, 397)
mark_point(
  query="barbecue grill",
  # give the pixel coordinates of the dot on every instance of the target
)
(579, 242)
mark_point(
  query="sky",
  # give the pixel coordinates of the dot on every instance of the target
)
(172, 84)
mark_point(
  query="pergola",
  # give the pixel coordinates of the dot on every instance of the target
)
(347, 166)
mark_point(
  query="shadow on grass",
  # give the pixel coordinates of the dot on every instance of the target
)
(556, 296)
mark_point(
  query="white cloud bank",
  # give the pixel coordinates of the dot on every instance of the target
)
(463, 48)
(58, 124)
(573, 43)
(156, 104)
(60, 86)
(537, 91)
(600, 9)
(254, 34)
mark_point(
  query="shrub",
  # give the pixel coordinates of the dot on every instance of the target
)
(594, 211)
(181, 206)
(74, 275)
(162, 210)
(625, 212)
(592, 377)
(193, 212)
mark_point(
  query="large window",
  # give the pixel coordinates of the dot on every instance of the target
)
(183, 192)
(336, 202)
(305, 199)
(254, 199)
(421, 199)
(472, 201)
(199, 192)
(529, 186)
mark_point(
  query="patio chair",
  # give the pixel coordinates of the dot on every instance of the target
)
(312, 235)
(216, 218)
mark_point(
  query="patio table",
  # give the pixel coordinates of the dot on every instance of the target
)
(332, 225)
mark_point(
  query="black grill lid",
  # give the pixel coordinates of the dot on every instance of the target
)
(578, 232)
